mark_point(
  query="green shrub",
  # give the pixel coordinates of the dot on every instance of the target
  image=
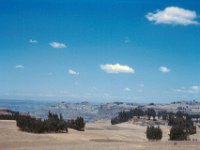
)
(77, 124)
(153, 133)
(182, 126)
(178, 133)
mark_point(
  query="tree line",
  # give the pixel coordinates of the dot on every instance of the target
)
(124, 116)
(53, 124)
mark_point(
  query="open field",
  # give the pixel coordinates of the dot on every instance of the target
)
(98, 136)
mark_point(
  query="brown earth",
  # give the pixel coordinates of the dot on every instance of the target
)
(98, 136)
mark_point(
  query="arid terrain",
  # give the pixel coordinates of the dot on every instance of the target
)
(99, 135)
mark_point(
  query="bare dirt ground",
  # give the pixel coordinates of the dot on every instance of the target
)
(98, 136)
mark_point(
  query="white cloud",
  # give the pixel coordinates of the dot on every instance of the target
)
(19, 67)
(192, 90)
(57, 45)
(116, 68)
(164, 69)
(173, 15)
(72, 72)
(127, 89)
(33, 41)
(195, 88)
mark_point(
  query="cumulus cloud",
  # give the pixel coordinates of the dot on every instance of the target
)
(19, 67)
(116, 68)
(57, 45)
(33, 41)
(72, 72)
(164, 69)
(173, 15)
(192, 90)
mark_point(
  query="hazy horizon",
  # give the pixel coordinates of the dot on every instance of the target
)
(107, 51)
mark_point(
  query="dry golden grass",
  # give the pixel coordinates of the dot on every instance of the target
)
(98, 136)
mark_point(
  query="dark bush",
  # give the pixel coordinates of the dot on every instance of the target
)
(182, 126)
(153, 133)
(124, 116)
(178, 133)
(77, 124)
(9, 115)
(31, 124)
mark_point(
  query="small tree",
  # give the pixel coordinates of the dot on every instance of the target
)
(80, 123)
(182, 126)
(178, 133)
(153, 133)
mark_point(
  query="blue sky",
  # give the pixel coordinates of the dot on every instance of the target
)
(110, 50)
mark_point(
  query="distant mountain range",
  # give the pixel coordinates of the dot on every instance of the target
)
(92, 112)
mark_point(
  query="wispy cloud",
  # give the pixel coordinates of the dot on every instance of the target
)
(33, 41)
(117, 68)
(127, 89)
(127, 40)
(164, 69)
(141, 85)
(192, 90)
(57, 45)
(72, 72)
(140, 90)
(19, 66)
(173, 15)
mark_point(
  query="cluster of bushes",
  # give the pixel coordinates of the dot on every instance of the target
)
(153, 133)
(151, 113)
(54, 124)
(182, 126)
(77, 124)
(124, 116)
(163, 114)
(10, 115)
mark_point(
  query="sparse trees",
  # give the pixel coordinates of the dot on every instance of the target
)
(138, 112)
(151, 113)
(182, 126)
(162, 114)
(124, 116)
